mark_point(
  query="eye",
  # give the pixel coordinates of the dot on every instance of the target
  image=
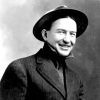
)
(73, 33)
(61, 31)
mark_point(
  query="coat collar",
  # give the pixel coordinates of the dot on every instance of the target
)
(46, 68)
(48, 71)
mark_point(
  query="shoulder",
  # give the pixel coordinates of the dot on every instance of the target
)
(76, 72)
(76, 67)
(20, 65)
(17, 69)
(23, 61)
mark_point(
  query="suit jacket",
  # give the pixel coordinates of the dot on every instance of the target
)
(35, 78)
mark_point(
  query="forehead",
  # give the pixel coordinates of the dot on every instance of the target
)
(65, 23)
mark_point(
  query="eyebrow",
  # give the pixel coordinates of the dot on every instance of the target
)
(65, 30)
(61, 30)
(73, 31)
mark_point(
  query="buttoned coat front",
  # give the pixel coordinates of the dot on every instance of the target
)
(35, 78)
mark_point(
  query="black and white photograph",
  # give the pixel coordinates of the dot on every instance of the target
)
(49, 50)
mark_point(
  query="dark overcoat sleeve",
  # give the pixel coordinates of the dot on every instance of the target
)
(13, 83)
(81, 92)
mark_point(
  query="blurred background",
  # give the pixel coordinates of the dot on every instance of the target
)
(17, 18)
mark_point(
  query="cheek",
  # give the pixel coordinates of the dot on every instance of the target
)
(53, 37)
(73, 40)
(58, 37)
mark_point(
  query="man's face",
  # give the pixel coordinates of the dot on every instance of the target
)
(62, 35)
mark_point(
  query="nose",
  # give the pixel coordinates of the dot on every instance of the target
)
(66, 38)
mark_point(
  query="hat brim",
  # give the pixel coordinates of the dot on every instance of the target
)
(80, 18)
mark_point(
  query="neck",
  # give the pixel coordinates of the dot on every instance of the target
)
(50, 53)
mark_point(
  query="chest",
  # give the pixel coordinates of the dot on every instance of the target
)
(61, 76)
(48, 84)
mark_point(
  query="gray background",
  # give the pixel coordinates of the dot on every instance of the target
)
(17, 18)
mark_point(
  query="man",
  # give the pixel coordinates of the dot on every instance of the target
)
(47, 75)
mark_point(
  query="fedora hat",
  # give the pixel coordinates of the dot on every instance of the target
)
(60, 12)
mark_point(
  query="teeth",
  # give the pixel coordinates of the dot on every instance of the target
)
(64, 47)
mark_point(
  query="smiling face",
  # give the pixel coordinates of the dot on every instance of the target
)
(62, 35)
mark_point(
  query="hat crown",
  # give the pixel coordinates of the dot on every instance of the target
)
(61, 7)
(58, 8)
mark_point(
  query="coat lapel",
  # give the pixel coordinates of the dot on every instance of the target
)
(72, 79)
(48, 71)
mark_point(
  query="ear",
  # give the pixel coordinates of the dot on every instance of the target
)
(44, 34)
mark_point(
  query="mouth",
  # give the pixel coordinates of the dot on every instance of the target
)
(64, 47)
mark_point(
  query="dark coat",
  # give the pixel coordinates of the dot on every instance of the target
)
(35, 78)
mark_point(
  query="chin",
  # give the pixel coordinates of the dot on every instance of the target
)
(64, 53)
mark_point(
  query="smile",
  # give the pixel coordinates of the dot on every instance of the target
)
(65, 47)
